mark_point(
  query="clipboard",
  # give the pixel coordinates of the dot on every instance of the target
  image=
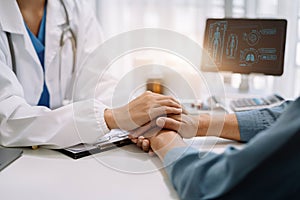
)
(114, 139)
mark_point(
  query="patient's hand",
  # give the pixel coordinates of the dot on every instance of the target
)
(165, 141)
(187, 126)
(144, 144)
(141, 136)
(158, 141)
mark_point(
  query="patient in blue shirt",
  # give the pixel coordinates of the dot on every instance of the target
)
(267, 168)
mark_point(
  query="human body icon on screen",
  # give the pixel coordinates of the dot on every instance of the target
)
(216, 42)
(232, 46)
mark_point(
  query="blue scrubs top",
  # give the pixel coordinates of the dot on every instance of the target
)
(39, 46)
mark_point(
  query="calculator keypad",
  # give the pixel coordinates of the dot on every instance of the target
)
(252, 103)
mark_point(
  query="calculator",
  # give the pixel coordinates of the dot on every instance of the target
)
(244, 104)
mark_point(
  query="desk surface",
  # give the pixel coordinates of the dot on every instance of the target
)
(123, 173)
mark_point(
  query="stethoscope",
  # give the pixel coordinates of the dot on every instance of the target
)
(67, 34)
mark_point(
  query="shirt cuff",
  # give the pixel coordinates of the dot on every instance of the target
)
(99, 109)
(89, 120)
(251, 123)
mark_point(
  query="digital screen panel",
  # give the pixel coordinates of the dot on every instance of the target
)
(245, 45)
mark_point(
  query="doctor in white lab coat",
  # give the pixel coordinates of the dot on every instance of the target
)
(22, 121)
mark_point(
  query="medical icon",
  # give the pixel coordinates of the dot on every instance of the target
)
(248, 57)
(232, 45)
(217, 33)
(252, 38)
(216, 42)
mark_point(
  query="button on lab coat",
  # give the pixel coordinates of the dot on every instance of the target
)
(22, 123)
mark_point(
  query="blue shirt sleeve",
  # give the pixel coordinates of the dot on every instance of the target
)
(254, 121)
(206, 175)
(197, 175)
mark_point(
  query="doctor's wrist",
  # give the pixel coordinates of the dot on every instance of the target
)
(109, 119)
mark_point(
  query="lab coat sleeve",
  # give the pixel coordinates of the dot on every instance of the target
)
(24, 125)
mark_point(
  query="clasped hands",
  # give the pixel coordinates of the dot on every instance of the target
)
(164, 128)
(164, 131)
(154, 121)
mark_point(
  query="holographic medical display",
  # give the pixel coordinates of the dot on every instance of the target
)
(246, 45)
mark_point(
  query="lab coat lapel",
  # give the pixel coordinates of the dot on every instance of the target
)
(56, 19)
(12, 22)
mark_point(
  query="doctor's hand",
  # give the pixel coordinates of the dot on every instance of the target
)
(141, 110)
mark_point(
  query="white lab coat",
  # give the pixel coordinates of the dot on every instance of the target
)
(22, 123)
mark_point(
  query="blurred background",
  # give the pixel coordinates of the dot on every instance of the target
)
(188, 17)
